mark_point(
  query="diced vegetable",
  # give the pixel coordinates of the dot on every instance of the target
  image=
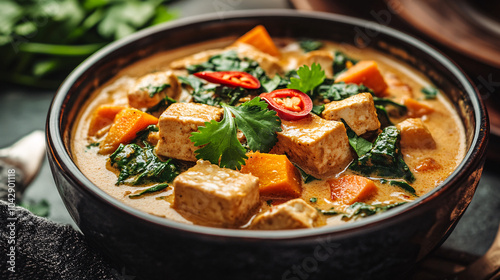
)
(260, 39)
(125, 127)
(290, 104)
(102, 117)
(365, 72)
(351, 188)
(417, 109)
(385, 158)
(278, 177)
(140, 165)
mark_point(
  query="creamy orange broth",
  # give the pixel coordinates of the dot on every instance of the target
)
(444, 125)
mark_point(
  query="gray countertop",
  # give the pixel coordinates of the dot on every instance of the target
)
(23, 110)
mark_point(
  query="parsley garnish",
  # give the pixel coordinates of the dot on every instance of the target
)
(309, 78)
(258, 124)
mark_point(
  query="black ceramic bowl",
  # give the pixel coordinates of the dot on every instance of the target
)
(382, 246)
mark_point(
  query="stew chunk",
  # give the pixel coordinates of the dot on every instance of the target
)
(358, 112)
(318, 146)
(176, 125)
(293, 214)
(415, 135)
(216, 195)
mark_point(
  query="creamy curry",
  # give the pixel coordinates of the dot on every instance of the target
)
(261, 133)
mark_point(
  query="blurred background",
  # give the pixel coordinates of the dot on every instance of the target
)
(42, 41)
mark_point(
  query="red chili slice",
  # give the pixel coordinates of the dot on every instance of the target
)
(290, 104)
(230, 78)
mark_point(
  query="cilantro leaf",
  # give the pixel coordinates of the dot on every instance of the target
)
(221, 142)
(309, 78)
(152, 90)
(258, 124)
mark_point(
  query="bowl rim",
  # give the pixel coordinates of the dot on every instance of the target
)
(71, 171)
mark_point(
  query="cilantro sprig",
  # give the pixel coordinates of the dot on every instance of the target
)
(258, 124)
(309, 78)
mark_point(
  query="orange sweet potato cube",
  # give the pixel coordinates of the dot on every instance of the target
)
(417, 109)
(365, 72)
(278, 177)
(260, 39)
(125, 127)
(102, 117)
(351, 188)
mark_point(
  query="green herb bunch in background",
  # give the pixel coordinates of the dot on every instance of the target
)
(41, 41)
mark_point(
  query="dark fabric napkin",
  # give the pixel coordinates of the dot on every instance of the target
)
(35, 248)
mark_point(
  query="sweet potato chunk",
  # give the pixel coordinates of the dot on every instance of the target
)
(260, 39)
(102, 117)
(351, 188)
(365, 72)
(417, 109)
(125, 127)
(427, 164)
(278, 177)
(415, 135)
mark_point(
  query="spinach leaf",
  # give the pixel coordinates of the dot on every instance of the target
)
(191, 81)
(340, 91)
(140, 165)
(152, 90)
(385, 158)
(383, 116)
(152, 189)
(400, 108)
(330, 212)
(162, 105)
(313, 199)
(318, 109)
(306, 178)
(309, 45)
(360, 145)
(405, 186)
(430, 92)
(142, 135)
(340, 61)
(361, 210)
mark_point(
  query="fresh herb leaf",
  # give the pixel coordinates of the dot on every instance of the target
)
(340, 62)
(400, 108)
(309, 78)
(40, 208)
(341, 91)
(360, 145)
(152, 89)
(271, 84)
(269, 202)
(405, 186)
(331, 212)
(430, 92)
(162, 105)
(309, 45)
(258, 124)
(361, 210)
(313, 199)
(192, 81)
(140, 165)
(385, 158)
(152, 189)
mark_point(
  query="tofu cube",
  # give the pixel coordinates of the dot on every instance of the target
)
(358, 112)
(150, 89)
(293, 214)
(415, 135)
(177, 123)
(216, 196)
(320, 147)
(278, 177)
